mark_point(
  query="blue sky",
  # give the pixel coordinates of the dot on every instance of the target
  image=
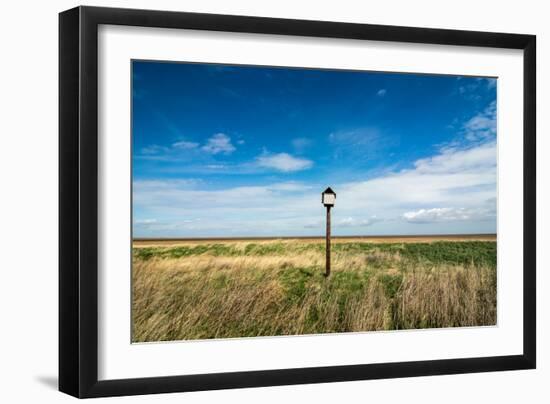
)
(246, 151)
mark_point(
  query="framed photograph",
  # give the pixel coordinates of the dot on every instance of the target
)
(251, 201)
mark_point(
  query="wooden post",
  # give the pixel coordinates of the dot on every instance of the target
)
(327, 265)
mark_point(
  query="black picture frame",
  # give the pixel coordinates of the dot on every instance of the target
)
(78, 201)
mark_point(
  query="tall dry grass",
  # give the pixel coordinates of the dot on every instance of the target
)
(237, 291)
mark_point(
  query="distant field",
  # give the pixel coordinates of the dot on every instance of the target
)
(367, 239)
(199, 289)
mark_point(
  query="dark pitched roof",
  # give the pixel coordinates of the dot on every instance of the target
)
(329, 191)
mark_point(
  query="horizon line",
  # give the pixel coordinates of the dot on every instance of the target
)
(447, 235)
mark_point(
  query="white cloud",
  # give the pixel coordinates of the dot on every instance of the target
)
(471, 91)
(382, 92)
(145, 221)
(188, 194)
(247, 210)
(219, 143)
(173, 152)
(153, 150)
(453, 160)
(438, 215)
(182, 144)
(163, 227)
(290, 186)
(453, 191)
(463, 176)
(283, 162)
(353, 222)
(344, 222)
(483, 125)
(314, 224)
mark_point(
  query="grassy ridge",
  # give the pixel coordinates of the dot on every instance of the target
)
(236, 289)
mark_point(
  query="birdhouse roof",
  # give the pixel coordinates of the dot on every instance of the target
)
(329, 191)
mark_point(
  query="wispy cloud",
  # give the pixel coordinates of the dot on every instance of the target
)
(314, 224)
(142, 187)
(483, 125)
(344, 222)
(452, 187)
(154, 150)
(444, 177)
(450, 214)
(219, 143)
(145, 221)
(474, 89)
(283, 162)
(477, 130)
(456, 186)
(300, 144)
(382, 92)
(356, 222)
(457, 161)
(155, 226)
(185, 145)
(364, 143)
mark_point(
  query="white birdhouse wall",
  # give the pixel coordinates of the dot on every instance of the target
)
(328, 199)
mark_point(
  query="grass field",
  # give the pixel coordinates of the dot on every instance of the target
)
(201, 289)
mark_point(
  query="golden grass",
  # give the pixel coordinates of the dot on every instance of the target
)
(167, 242)
(241, 292)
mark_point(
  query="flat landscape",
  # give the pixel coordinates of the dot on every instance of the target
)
(167, 242)
(226, 288)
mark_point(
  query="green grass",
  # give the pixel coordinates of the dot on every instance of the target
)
(237, 289)
(448, 252)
